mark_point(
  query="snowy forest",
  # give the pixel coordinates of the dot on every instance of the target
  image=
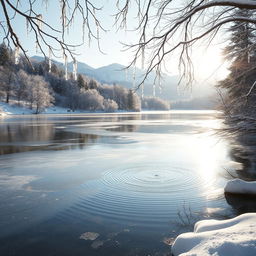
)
(39, 85)
(238, 89)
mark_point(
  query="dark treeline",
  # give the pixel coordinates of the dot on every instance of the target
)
(238, 90)
(38, 86)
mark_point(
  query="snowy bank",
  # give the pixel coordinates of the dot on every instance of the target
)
(238, 186)
(235, 236)
(14, 109)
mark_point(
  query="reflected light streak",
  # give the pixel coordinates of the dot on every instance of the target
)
(209, 155)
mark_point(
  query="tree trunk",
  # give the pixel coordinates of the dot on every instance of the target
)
(7, 97)
(37, 108)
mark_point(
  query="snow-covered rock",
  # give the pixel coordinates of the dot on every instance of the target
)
(238, 186)
(236, 237)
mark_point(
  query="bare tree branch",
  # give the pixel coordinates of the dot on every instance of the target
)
(175, 26)
(47, 36)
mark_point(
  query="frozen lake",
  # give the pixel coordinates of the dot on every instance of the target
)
(136, 179)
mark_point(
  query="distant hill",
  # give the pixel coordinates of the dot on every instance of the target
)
(116, 73)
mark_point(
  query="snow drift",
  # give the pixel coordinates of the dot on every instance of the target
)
(235, 236)
(238, 186)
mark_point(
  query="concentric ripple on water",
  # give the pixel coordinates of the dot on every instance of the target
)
(143, 195)
(148, 179)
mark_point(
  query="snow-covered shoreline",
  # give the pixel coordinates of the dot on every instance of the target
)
(236, 236)
(238, 186)
(14, 109)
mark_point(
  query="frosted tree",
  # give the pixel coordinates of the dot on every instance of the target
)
(20, 88)
(42, 96)
(110, 105)
(92, 84)
(81, 82)
(38, 93)
(130, 101)
(154, 103)
(120, 96)
(72, 95)
(91, 100)
(241, 51)
(7, 82)
(5, 56)
(7, 76)
(133, 102)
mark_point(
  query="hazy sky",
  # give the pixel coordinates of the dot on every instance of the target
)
(208, 63)
(110, 41)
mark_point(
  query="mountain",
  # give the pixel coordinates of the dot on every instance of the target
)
(116, 73)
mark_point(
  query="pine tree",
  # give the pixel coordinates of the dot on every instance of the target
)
(80, 81)
(5, 58)
(92, 84)
(130, 100)
(241, 41)
(241, 51)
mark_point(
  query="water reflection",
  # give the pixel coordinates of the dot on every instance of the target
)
(78, 131)
(22, 138)
(53, 134)
(241, 203)
(243, 156)
(243, 151)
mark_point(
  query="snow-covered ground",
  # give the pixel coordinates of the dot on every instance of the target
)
(14, 109)
(235, 237)
(238, 186)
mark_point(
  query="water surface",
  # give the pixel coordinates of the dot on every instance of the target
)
(136, 179)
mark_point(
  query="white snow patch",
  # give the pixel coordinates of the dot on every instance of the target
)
(235, 236)
(238, 186)
(14, 109)
(89, 236)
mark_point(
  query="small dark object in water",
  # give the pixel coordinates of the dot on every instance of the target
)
(156, 175)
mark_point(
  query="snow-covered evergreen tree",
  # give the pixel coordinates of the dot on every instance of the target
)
(241, 52)
(5, 56)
